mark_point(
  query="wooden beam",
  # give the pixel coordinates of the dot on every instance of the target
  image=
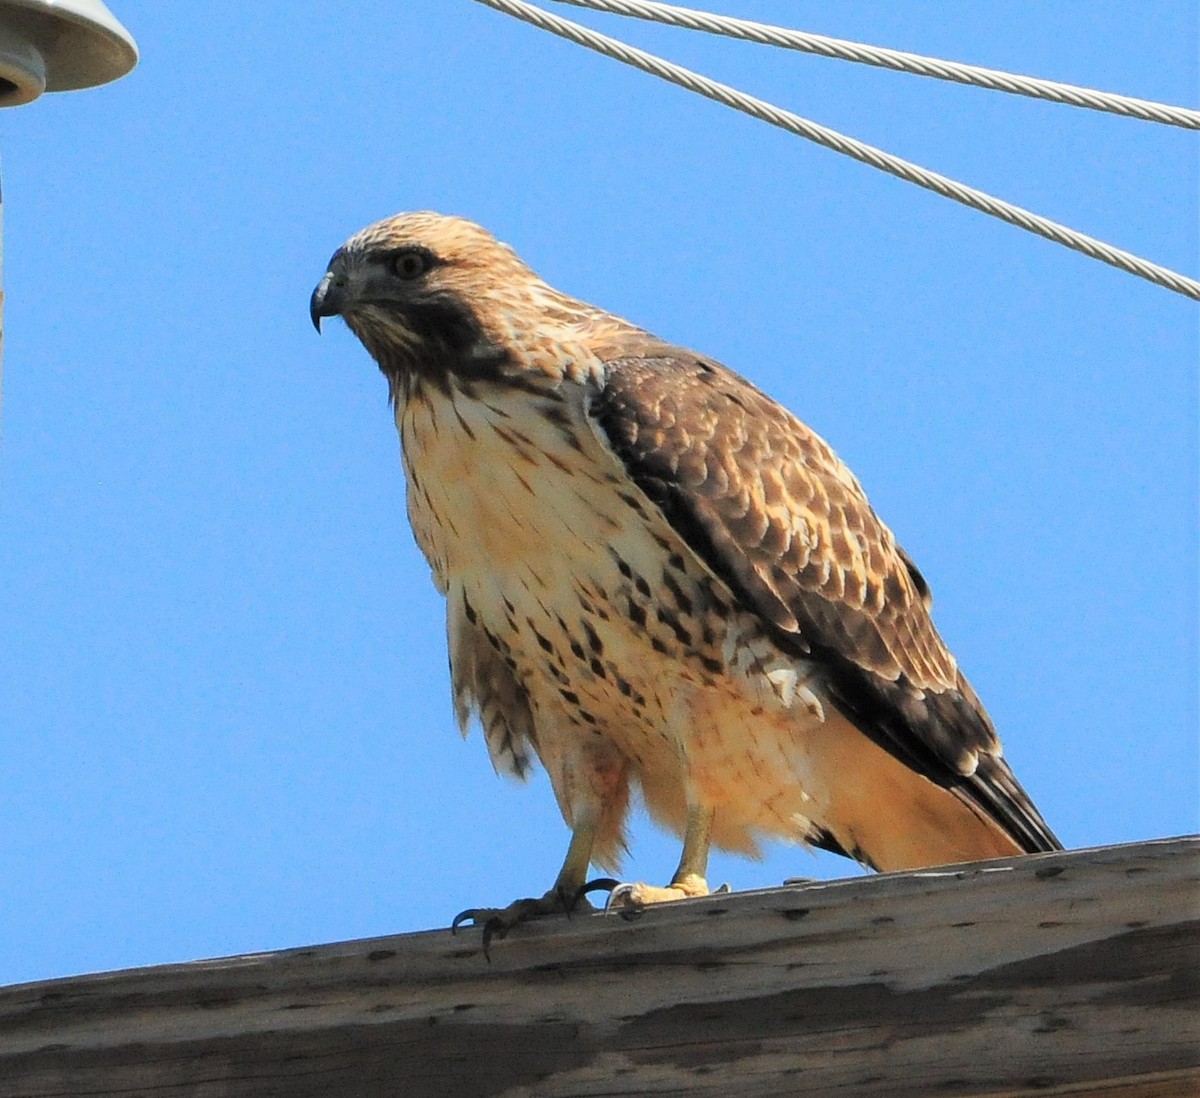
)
(1058, 974)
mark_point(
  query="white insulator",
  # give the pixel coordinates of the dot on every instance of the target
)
(59, 45)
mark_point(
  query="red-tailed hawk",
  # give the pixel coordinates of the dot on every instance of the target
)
(657, 578)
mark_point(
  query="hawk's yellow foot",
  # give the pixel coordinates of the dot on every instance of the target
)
(568, 895)
(689, 877)
(498, 921)
(631, 897)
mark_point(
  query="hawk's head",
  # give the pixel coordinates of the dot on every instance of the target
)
(431, 294)
(421, 291)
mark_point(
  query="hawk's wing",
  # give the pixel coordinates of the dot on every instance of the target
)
(770, 509)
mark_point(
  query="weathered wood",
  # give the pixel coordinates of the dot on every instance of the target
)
(1060, 974)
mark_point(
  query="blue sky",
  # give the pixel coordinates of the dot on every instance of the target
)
(223, 690)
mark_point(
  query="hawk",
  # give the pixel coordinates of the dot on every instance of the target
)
(658, 580)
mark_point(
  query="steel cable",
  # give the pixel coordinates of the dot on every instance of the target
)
(849, 146)
(765, 34)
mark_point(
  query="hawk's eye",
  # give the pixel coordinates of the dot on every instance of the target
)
(410, 263)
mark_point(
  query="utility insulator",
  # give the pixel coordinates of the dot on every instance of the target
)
(59, 45)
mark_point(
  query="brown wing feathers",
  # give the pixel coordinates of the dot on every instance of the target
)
(770, 509)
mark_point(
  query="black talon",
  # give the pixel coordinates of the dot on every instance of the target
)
(600, 884)
(568, 902)
(471, 913)
(493, 928)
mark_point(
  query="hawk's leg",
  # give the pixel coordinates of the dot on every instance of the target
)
(689, 877)
(565, 897)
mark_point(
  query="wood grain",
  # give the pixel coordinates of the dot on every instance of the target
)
(1070, 973)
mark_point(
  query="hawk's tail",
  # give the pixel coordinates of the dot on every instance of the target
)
(891, 817)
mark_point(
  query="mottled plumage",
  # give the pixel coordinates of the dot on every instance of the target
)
(659, 579)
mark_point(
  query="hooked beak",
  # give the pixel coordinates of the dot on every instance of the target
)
(328, 299)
